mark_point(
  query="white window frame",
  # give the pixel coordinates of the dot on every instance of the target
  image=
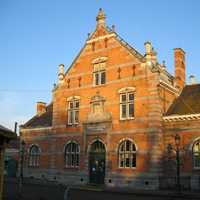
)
(196, 152)
(34, 157)
(70, 154)
(127, 103)
(73, 110)
(132, 152)
(99, 81)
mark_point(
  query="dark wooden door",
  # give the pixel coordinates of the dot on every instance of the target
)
(97, 163)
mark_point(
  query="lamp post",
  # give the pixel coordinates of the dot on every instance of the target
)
(22, 148)
(177, 143)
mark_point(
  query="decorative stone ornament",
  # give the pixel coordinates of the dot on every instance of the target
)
(100, 18)
(61, 74)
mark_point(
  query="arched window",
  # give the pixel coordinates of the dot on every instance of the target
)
(72, 151)
(196, 154)
(34, 154)
(127, 154)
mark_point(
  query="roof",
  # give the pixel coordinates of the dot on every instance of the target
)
(7, 133)
(187, 103)
(43, 120)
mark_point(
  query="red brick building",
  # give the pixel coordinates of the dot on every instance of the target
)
(113, 118)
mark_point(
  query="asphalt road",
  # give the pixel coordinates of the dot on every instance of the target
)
(53, 191)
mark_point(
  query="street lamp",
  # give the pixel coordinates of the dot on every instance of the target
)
(22, 148)
(177, 143)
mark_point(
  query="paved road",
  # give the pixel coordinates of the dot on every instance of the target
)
(53, 191)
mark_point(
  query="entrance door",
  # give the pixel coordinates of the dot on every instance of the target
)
(97, 163)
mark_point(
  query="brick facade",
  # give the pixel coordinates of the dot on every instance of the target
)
(99, 117)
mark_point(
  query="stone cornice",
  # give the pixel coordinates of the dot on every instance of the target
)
(188, 117)
(35, 129)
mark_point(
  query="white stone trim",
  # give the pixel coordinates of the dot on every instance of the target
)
(126, 89)
(181, 117)
(170, 87)
(35, 129)
(73, 98)
(101, 38)
(99, 60)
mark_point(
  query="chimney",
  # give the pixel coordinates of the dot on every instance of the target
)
(192, 80)
(41, 108)
(179, 63)
(61, 73)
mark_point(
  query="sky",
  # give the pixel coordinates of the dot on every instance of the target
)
(38, 35)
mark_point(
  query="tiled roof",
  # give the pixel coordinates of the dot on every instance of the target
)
(43, 120)
(7, 133)
(187, 103)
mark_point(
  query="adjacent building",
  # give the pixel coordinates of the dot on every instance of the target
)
(5, 136)
(113, 118)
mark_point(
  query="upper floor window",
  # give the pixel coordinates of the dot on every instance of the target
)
(99, 73)
(127, 103)
(72, 151)
(34, 154)
(73, 110)
(99, 77)
(127, 154)
(196, 154)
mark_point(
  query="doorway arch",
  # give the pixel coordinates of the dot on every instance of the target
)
(97, 159)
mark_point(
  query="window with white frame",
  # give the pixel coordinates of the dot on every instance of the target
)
(34, 155)
(127, 154)
(127, 105)
(71, 156)
(99, 74)
(73, 111)
(196, 154)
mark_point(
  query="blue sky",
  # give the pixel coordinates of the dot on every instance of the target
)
(37, 35)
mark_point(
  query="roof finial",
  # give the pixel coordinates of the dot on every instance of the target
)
(100, 18)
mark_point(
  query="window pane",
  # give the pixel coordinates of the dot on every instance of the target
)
(127, 145)
(123, 110)
(76, 104)
(70, 117)
(133, 164)
(96, 79)
(123, 98)
(196, 160)
(103, 77)
(131, 110)
(122, 147)
(76, 116)
(77, 159)
(70, 105)
(131, 97)
(127, 160)
(121, 160)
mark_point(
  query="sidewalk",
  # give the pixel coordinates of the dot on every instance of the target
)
(46, 185)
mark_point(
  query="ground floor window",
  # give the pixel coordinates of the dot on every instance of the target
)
(196, 154)
(127, 154)
(72, 154)
(34, 155)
